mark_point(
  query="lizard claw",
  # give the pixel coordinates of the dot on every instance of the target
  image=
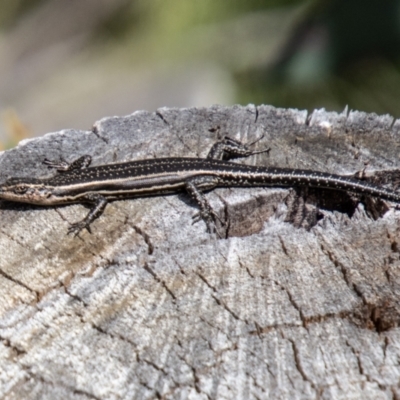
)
(196, 218)
(209, 216)
(77, 227)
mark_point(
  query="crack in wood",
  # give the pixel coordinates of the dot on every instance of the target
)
(298, 364)
(20, 283)
(147, 268)
(74, 390)
(146, 238)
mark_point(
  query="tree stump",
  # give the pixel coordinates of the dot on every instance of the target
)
(298, 300)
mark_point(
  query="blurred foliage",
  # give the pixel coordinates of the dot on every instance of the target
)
(13, 10)
(15, 128)
(168, 28)
(337, 53)
(343, 52)
(291, 53)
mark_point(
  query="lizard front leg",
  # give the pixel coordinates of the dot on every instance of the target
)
(228, 148)
(195, 187)
(63, 166)
(99, 203)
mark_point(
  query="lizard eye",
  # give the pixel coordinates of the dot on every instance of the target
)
(20, 189)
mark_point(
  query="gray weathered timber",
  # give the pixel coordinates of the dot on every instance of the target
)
(287, 306)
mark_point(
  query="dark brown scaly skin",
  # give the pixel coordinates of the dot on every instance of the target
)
(79, 183)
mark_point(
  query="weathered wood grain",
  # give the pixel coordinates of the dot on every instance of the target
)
(151, 306)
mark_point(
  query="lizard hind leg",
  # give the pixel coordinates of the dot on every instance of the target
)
(195, 187)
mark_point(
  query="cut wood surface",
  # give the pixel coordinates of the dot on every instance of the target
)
(300, 299)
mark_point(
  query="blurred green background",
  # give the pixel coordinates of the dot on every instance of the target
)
(66, 64)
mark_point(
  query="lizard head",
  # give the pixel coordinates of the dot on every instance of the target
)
(24, 190)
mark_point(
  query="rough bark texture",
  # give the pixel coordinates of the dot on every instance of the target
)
(300, 300)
